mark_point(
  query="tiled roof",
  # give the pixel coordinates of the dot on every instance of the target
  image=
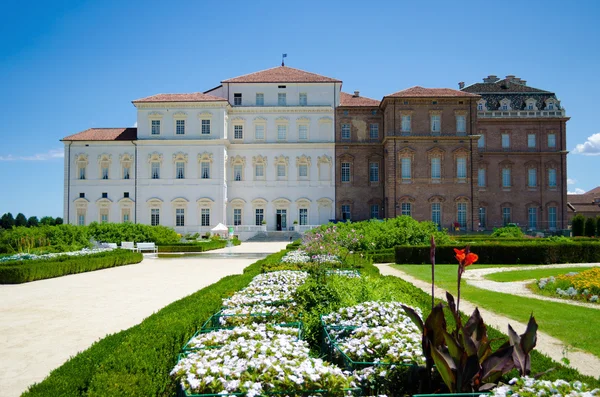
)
(595, 191)
(594, 208)
(352, 100)
(193, 97)
(421, 92)
(104, 134)
(281, 74)
(503, 86)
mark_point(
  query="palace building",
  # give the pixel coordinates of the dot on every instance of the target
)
(284, 148)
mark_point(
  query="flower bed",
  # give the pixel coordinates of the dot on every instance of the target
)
(25, 257)
(257, 314)
(301, 257)
(371, 314)
(530, 387)
(583, 286)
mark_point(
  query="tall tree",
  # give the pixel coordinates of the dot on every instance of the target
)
(20, 220)
(7, 221)
(58, 220)
(33, 221)
(47, 220)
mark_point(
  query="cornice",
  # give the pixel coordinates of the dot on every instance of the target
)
(181, 105)
(281, 109)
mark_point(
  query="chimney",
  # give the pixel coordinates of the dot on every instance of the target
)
(490, 79)
(356, 93)
(523, 82)
(461, 85)
(510, 77)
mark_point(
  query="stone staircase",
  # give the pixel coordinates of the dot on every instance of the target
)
(275, 236)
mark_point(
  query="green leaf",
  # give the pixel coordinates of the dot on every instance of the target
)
(434, 324)
(446, 368)
(454, 349)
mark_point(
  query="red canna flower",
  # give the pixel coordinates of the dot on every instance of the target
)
(470, 259)
(460, 255)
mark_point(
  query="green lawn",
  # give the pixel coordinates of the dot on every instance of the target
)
(537, 273)
(576, 326)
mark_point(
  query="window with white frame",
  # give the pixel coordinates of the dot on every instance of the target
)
(552, 218)
(506, 215)
(302, 132)
(104, 161)
(461, 168)
(303, 171)
(406, 209)
(405, 164)
(303, 216)
(481, 142)
(205, 127)
(155, 217)
(480, 106)
(259, 216)
(346, 212)
(260, 99)
(532, 218)
(531, 141)
(104, 171)
(155, 171)
(482, 217)
(436, 213)
(406, 123)
(237, 172)
(237, 216)
(281, 132)
(505, 141)
(551, 140)
(461, 214)
(180, 217)
(461, 124)
(281, 99)
(436, 169)
(532, 177)
(205, 217)
(435, 124)
(205, 170)
(238, 131)
(552, 177)
(103, 215)
(345, 172)
(374, 131)
(281, 171)
(481, 177)
(126, 171)
(180, 170)
(303, 100)
(82, 169)
(373, 172)
(259, 132)
(126, 215)
(155, 124)
(81, 217)
(237, 99)
(259, 171)
(345, 131)
(506, 177)
(550, 105)
(179, 127)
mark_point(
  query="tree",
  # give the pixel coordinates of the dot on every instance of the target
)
(47, 220)
(577, 225)
(33, 221)
(590, 227)
(58, 221)
(598, 226)
(7, 221)
(20, 220)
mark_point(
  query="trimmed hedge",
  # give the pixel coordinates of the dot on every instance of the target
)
(541, 253)
(196, 247)
(17, 272)
(387, 255)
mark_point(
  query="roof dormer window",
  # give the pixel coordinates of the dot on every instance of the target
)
(505, 105)
(530, 104)
(481, 105)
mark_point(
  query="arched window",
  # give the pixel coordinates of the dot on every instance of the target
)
(104, 161)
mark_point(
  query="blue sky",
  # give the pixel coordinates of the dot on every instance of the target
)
(66, 66)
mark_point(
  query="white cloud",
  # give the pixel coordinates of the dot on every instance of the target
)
(591, 147)
(577, 191)
(571, 181)
(49, 155)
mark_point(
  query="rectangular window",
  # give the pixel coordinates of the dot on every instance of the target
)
(436, 169)
(238, 132)
(531, 141)
(155, 217)
(81, 219)
(205, 217)
(406, 209)
(103, 215)
(374, 131)
(406, 165)
(281, 99)
(237, 99)
(302, 132)
(532, 177)
(126, 214)
(81, 172)
(375, 211)
(461, 168)
(505, 141)
(259, 132)
(237, 216)
(126, 172)
(532, 218)
(345, 172)
(461, 214)
(481, 177)
(303, 216)
(104, 195)
(461, 125)
(303, 171)
(180, 127)
(155, 170)
(480, 106)
(345, 131)
(280, 171)
(345, 212)
(104, 172)
(205, 170)
(505, 177)
(237, 172)
(205, 127)
(551, 140)
(552, 177)
(506, 215)
(81, 195)
(303, 99)
(180, 170)
(405, 123)
(259, 216)
(155, 127)
(436, 213)
(482, 217)
(552, 218)
(281, 132)
(260, 99)
(435, 124)
(481, 142)
(259, 171)
(126, 194)
(373, 172)
(180, 217)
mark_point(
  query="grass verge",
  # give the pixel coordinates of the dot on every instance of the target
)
(520, 275)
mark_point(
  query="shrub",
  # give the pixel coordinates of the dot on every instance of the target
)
(117, 232)
(44, 238)
(508, 231)
(598, 226)
(196, 247)
(577, 225)
(590, 227)
(17, 272)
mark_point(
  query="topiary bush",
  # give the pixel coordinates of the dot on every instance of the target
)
(508, 231)
(577, 225)
(590, 227)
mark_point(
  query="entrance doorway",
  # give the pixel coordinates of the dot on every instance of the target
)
(281, 221)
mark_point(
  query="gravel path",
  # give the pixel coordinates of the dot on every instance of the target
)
(476, 278)
(586, 363)
(45, 322)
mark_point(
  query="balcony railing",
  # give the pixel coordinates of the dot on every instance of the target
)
(521, 114)
(426, 134)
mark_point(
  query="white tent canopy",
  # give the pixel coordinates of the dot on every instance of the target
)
(219, 228)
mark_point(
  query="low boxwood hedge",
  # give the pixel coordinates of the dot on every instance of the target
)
(507, 253)
(17, 272)
(196, 247)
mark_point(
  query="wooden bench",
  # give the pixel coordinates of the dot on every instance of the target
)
(141, 247)
(128, 245)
